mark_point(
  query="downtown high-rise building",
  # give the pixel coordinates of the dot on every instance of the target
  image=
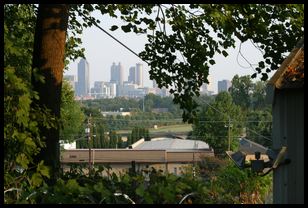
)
(117, 77)
(132, 75)
(139, 74)
(136, 75)
(117, 74)
(83, 84)
(224, 85)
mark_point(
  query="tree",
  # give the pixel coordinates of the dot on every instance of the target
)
(259, 126)
(191, 37)
(119, 142)
(129, 140)
(147, 135)
(241, 91)
(213, 121)
(72, 118)
(198, 32)
(22, 124)
(112, 139)
(48, 59)
(258, 96)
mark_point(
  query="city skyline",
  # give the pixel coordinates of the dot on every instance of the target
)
(101, 51)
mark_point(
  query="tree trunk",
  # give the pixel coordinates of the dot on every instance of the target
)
(48, 58)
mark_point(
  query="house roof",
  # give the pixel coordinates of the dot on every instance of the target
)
(171, 144)
(291, 72)
(250, 147)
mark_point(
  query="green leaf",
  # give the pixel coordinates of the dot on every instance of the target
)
(268, 61)
(113, 28)
(261, 64)
(36, 179)
(72, 185)
(264, 77)
(126, 28)
(225, 53)
(30, 144)
(212, 62)
(43, 169)
(23, 160)
(140, 190)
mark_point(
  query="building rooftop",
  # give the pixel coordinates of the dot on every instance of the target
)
(170, 144)
(291, 72)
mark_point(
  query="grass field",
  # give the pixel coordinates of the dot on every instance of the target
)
(161, 129)
(174, 128)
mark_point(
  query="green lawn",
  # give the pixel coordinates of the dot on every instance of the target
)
(173, 128)
(160, 129)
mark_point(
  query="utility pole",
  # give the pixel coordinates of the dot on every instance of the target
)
(88, 131)
(229, 126)
(143, 103)
(229, 137)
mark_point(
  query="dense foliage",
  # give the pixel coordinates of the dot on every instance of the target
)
(259, 126)
(137, 117)
(150, 101)
(214, 121)
(72, 117)
(22, 119)
(227, 185)
(247, 110)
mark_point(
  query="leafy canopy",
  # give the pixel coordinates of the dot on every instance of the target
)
(183, 39)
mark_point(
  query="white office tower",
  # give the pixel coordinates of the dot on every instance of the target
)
(113, 89)
(83, 84)
(121, 73)
(139, 75)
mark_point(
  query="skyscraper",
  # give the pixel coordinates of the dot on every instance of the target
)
(132, 75)
(83, 84)
(139, 74)
(117, 73)
(136, 75)
(224, 85)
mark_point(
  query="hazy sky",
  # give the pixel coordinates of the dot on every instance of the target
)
(101, 51)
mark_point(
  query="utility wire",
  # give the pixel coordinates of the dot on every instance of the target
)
(259, 134)
(99, 27)
(200, 121)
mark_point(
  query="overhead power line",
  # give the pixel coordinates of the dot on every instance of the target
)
(176, 120)
(259, 134)
(99, 27)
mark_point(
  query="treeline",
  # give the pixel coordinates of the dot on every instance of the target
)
(112, 139)
(242, 111)
(128, 122)
(150, 103)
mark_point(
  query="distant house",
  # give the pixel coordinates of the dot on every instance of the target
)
(285, 91)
